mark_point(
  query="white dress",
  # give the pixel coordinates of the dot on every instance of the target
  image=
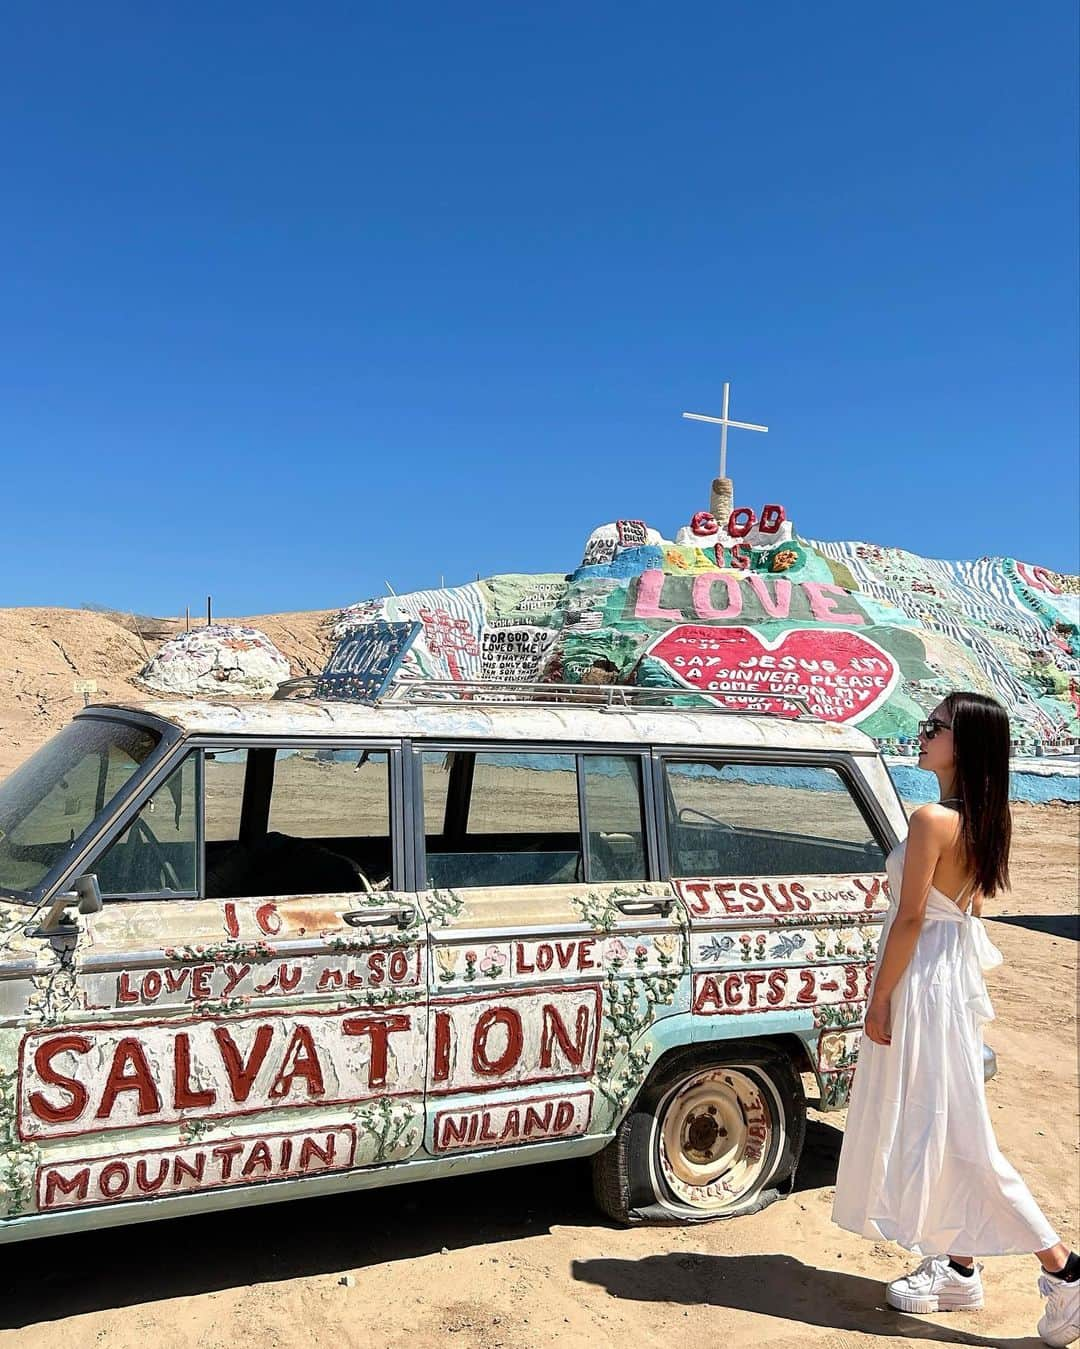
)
(920, 1165)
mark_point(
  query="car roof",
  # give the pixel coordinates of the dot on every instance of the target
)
(311, 718)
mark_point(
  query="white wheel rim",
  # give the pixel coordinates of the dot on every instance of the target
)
(715, 1139)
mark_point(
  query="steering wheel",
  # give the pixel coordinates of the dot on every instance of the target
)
(687, 811)
(369, 886)
(142, 836)
(362, 877)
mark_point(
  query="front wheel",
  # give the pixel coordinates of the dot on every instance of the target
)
(706, 1138)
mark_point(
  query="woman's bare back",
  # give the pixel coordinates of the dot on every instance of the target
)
(952, 875)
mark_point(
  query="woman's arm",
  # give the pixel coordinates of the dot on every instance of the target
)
(927, 836)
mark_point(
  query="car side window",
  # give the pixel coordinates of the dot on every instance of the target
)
(57, 794)
(501, 818)
(505, 818)
(742, 819)
(225, 772)
(615, 815)
(157, 854)
(334, 807)
(297, 820)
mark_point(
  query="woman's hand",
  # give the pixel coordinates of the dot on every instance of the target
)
(876, 1024)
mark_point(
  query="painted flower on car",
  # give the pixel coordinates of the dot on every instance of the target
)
(615, 952)
(492, 962)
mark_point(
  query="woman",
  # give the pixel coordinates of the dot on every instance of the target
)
(920, 1165)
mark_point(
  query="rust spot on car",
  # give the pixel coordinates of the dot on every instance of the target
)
(298, 917)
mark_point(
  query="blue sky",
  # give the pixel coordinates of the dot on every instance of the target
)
(297, 299)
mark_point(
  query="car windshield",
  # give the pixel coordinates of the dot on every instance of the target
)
(57, 793)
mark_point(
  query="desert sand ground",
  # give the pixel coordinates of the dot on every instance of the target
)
(522, 1258)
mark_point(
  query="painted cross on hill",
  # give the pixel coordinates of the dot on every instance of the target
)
(724, 421)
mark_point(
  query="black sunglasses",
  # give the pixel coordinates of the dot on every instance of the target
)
(931, 726)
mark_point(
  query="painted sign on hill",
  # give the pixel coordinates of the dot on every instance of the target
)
(365, 660)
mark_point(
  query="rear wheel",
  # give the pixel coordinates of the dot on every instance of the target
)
(706, 1138)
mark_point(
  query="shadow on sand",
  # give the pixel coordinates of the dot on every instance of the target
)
(820, 1156)
(1065, 925)
(773, 1285)
(57, 1277)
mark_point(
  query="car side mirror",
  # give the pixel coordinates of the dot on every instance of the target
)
(89, 892)
(85, 893)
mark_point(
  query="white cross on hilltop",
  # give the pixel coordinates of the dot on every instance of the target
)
(724, 421)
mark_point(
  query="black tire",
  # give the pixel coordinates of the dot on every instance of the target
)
(650, 1169)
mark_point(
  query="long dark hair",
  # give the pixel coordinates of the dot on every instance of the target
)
(981, 738)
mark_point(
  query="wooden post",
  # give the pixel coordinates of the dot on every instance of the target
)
(722, 499)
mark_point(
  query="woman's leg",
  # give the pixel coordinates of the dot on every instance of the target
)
(1054, 1258)
(1059, 1283)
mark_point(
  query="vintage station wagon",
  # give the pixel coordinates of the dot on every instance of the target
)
(258, 951)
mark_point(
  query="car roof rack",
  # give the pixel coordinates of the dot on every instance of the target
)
(604, 697)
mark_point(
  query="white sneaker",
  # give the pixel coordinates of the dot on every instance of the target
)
(1060, 1323)
(936, 1287)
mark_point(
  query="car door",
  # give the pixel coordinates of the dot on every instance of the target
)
(553, 951)
(781, 865)
(250, 1004)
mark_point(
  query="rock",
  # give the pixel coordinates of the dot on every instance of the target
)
(219, 658)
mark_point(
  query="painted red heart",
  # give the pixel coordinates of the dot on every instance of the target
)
(841, 675)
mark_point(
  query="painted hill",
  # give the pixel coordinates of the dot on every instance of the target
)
(754, 616)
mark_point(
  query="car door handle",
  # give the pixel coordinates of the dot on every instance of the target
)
(402, 914)
(643, 906)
